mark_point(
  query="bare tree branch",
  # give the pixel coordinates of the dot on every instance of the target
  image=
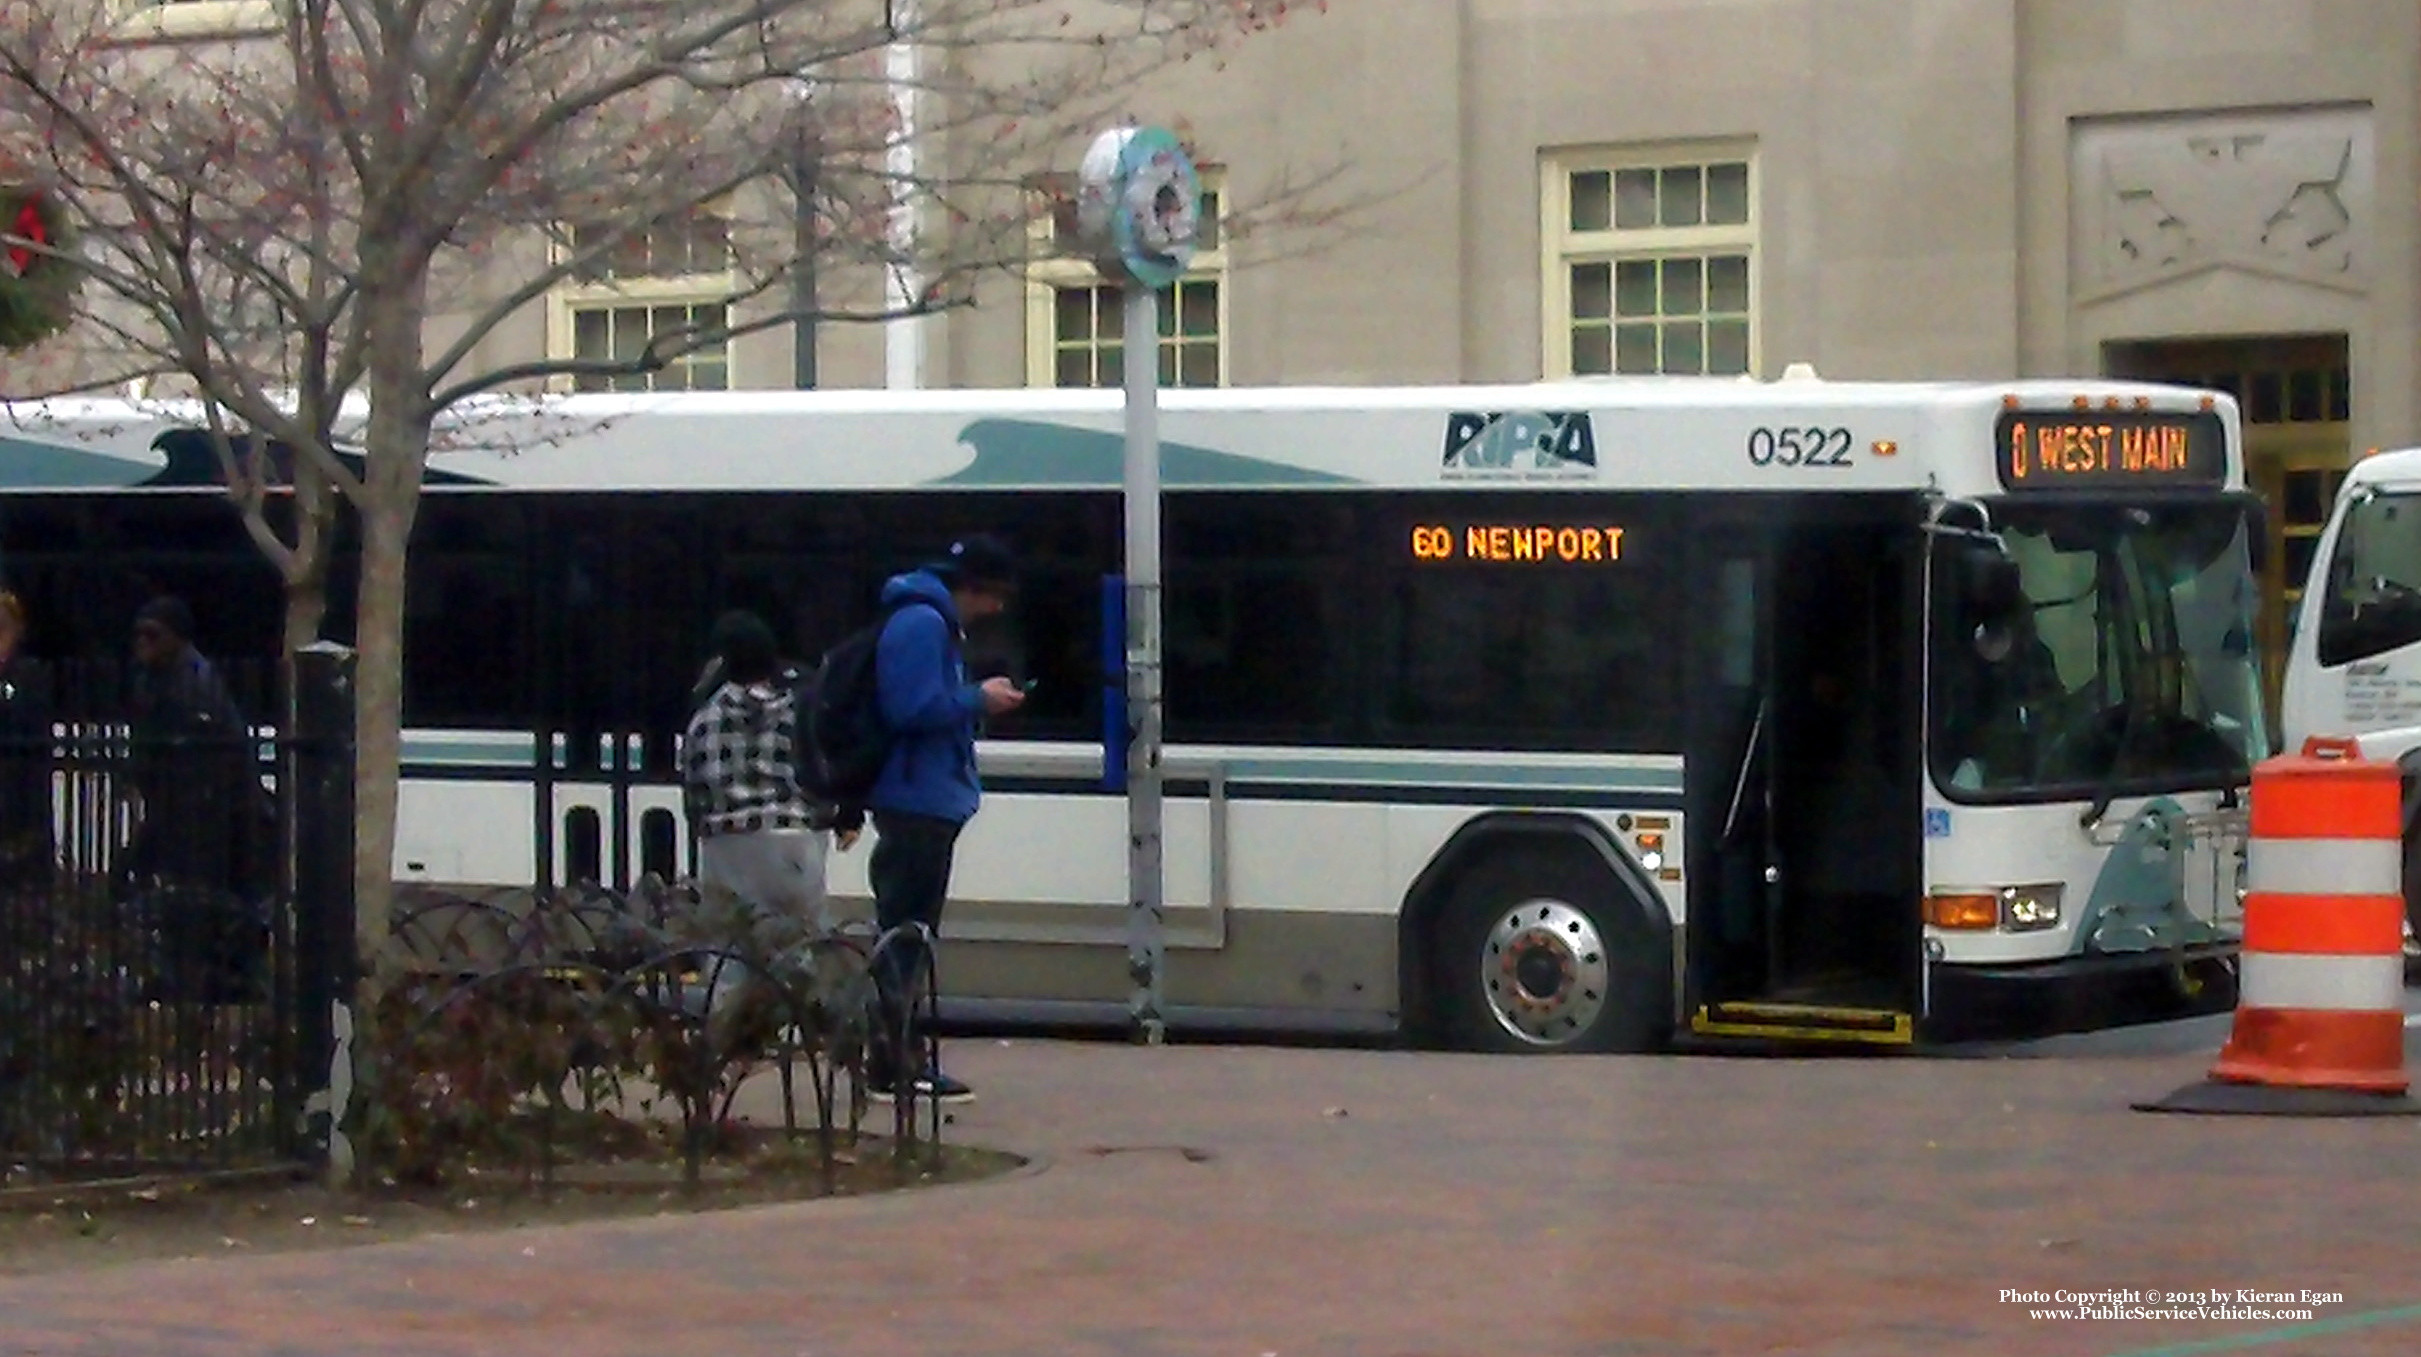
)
(320, 231)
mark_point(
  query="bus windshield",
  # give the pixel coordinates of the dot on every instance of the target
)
(2131, 670)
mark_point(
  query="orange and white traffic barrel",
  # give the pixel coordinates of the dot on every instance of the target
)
(2320, 992)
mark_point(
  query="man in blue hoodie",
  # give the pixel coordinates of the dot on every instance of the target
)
(928, 789)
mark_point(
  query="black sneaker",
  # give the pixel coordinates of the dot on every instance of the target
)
(935, 1085)
(942, 1088)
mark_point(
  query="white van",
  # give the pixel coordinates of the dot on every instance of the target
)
(2354, 663)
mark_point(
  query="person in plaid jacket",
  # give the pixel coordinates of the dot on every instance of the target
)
(762, 834)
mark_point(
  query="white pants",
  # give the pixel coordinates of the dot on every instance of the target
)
(774, 871)
(780, 871)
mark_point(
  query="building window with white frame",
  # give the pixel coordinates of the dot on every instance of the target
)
(1076, 321)
(140, 19)
(676, 276)
(1650, 263)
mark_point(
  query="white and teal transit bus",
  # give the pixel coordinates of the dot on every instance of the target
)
(1576, 716)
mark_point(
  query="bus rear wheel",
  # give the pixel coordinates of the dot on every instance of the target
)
(1545, 952)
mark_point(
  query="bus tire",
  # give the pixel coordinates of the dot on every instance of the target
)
(1543, 951)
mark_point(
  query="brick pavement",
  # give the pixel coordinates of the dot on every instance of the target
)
(1458, 1205)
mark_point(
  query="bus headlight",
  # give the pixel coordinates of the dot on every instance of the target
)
(2030, 909)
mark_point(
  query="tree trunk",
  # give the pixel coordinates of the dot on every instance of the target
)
(378, 728)
(395, 450)
(307, 567)
(306, 607)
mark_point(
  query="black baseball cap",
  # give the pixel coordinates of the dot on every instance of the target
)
(169, 613)
(980, 561)
(745, 645)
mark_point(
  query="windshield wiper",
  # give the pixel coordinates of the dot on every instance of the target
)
(2106, 791)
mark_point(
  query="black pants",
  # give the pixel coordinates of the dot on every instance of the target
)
(911, 878)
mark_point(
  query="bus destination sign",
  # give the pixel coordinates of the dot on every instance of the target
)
(1518, 543)
(2080, 450)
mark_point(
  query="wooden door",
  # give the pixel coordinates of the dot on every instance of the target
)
(2296, 468)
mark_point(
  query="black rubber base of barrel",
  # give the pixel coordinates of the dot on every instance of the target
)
(2214, 1098)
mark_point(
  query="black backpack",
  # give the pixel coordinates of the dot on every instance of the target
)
(844, 716)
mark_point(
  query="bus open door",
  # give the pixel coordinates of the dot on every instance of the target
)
(1804, 785)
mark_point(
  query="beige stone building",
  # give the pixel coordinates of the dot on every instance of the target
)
(2215, 190)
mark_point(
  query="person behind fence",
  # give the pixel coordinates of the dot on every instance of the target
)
(200, 805)
(203, 855)
(928, 789)
(763, 833)
(26, 834)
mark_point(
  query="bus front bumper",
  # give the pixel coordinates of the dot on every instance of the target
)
(2077, 994)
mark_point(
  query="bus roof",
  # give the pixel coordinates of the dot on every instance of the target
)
(1639, 432)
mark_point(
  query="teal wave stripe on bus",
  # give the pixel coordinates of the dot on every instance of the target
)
(29, 465)
(1024, 452)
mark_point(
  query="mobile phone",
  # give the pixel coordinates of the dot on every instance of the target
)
(1028, 686)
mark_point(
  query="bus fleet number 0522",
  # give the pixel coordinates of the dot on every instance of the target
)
(1810, 446)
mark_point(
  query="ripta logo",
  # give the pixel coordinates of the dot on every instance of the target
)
(1520, 443)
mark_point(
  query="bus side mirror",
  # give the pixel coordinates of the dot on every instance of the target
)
(1989, 585)
(1991, 592)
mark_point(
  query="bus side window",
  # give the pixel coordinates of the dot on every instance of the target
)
(1534, 650)
(1258, 624)
(1736, 590)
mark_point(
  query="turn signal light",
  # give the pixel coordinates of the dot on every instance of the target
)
(1969, 912)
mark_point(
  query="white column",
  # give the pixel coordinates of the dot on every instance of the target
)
(903, 338)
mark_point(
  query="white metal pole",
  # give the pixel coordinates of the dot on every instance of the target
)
(1145, 915)
(904, 336)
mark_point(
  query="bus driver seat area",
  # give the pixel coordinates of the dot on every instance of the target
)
(2013, 700)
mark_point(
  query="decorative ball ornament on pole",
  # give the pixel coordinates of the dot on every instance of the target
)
(1139, 205)
(1139, 209)
(37, 278)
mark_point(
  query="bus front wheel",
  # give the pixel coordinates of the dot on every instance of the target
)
(1544, 951)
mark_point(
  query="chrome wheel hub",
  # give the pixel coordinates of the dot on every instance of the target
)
(1543, 968)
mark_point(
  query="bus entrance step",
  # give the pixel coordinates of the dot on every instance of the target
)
(1803, 1022)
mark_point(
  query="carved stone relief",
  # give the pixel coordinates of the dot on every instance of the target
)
(2287, 194)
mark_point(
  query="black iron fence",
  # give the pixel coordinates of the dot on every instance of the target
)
(175, 913)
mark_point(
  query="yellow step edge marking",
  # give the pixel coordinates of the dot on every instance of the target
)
(1808, 1012)
(1878, 1026)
